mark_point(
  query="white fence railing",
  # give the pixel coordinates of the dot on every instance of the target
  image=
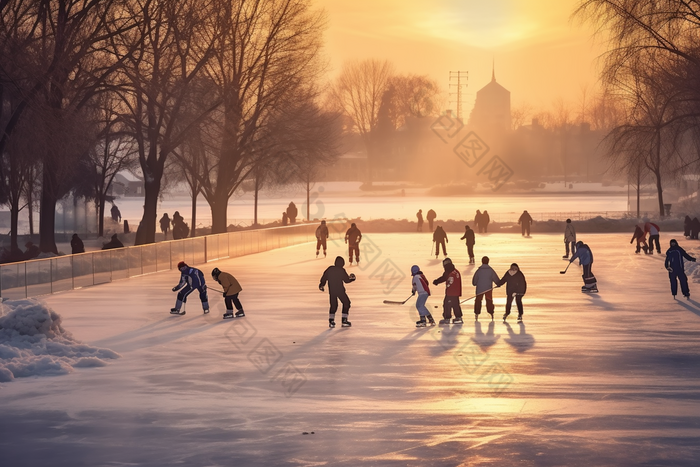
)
(51, 275)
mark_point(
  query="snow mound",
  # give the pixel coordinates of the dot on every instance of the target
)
(33, 343)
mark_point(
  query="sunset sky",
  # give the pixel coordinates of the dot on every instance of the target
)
(540, 53)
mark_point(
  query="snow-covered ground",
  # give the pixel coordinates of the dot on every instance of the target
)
(592, 380)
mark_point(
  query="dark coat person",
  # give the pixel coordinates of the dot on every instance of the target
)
(440, 237)
(113, 243)
(525, 222)
(485, 219)
(470, 240)
(431, 216)
(116, 215)
(694, 228)
(292, 213)
(76, 245)
(516, 286)
(336, 277)
(676, 269)
(478, 221)
(165, 224)
(285, 219)
(353, 237)
(419, 216)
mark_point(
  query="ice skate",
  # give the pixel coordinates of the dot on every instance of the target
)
(331, 323)
(206, 311)
(228, 315)
(504, 318)
(431, 321)
(520, 319)
(491, 313)
(457, 321)
(476, 317)
(240, 314)
(175, 311)
(444, 322)
(687, 297)
(565, 257)
(346, 323)
(420, 323)
(316, 254)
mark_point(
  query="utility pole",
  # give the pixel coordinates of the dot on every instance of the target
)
(461, 78)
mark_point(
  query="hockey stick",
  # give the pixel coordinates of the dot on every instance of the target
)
(215, 290)
(390, 302)
(467, 299)
(567, 268)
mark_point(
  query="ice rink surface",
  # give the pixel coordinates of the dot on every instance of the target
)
(592, 380)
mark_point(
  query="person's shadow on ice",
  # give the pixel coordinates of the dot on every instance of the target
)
(520, 342)
(485, 340)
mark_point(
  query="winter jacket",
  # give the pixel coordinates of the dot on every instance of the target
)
(674, 258)
(515, 283)
(525, 218)
(353, 235)
(469, 237)
(638, 234)
(570, 233)
(164, 223)
(652, 228)
(113, 243)
(484, 278)
(419, 216)
(452, 279)
(76, 245)
(229, 284)
(431, 215)
(485, 218)
(439, 235)
(193, 277)
(584, 254)
(420, 284)
(336, 277)
(322, 232)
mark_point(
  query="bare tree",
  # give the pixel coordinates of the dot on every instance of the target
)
(358, 92)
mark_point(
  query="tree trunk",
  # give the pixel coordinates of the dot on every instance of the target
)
(308, 201)
(47, 213)
(30, 206)
(146, 231)
(101, 216)
(219, 208)
(639, 188)
(255, 202)
(14, 222)
(659, 192)
(193, 230)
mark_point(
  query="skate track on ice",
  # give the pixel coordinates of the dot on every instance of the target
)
(591, 380)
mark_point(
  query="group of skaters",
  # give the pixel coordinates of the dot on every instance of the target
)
(180, 229)
(192, 279)
(640, 236)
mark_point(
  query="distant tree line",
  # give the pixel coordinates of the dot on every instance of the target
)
(216, 91)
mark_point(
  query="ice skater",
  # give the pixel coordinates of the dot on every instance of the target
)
(431, 218)
(569, 238)
(231, 290)
(190, 279)
(525, 222)
(469, 238)
(516, 286)
(353, 237)
(439, 238)
(654, 234)
(337, 277)
(321, 238)
(453, 290)
(641, 237)
(484, 279)
(420, 286)
(585, 257)
(676, 269)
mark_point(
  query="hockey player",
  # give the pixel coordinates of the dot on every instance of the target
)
(469, 238)
(525, 222)
(420, 286)
(336, 277)
(676, 270)
(641, 237)
(585, 257)
(453, 290)
(569, 238)
(321, 237)
(653, 230)
(354, 237)
(440, 237)
(190, 279)
(483, 279)
(231, 290)
(516, 286)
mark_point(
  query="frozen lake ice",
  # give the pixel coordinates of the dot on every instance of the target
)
(607, 379)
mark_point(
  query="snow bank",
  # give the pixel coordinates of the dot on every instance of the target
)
(33, 343)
